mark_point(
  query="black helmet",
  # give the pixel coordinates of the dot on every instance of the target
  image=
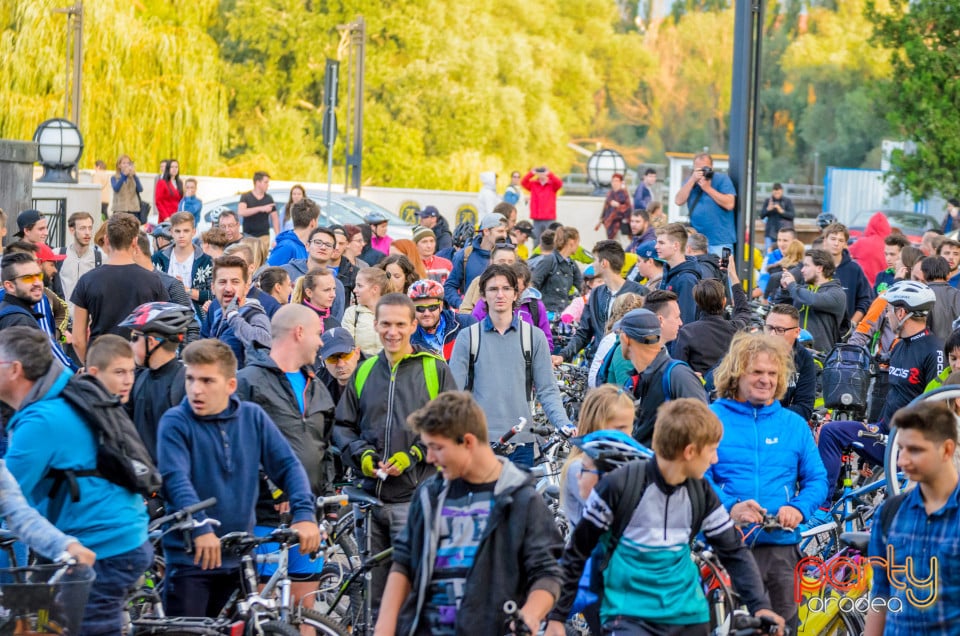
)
(825, 219)
(375, 218)
(168, 320)
(463, 234)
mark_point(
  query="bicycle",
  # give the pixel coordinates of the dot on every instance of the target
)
(44, 599)
(890, 469)
(849, 576)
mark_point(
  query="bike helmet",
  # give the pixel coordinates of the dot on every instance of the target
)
(463, 234)
(611, 449)
(805, 337)
(168, 320)
(375, 218)
(825, 219)
(911, 295)
(589, 272)
(425, 289)
(162, 230)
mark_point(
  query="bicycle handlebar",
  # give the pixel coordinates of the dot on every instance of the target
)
(880, 437)
(185, 513)
(335, 500)
(515, 622)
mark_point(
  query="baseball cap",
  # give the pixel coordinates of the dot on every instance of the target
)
(640, 325)
(524, 226)
(47, 255)
(336, 341)
(25, 219)
(649, 250)
(491, 220)
(428, 211)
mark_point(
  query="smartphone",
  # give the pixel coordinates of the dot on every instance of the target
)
(725, 258)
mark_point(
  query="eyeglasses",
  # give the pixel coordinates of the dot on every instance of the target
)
(30, 278)
(319, 243)
(778, 330)
(497, 290)
(587, 471)
(431, 308)
(338, 357)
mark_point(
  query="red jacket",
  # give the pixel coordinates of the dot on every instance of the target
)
(543, 198)
(868, 250)
(166, 197)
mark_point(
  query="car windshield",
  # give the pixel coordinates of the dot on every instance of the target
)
(901, 220)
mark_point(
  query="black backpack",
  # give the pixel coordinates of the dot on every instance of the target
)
(122, 458)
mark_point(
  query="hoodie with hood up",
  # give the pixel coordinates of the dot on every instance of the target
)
(868, 250)
(289, 246)
(487, 199)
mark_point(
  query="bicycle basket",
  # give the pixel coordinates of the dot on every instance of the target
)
(30, 604)
(846, 378)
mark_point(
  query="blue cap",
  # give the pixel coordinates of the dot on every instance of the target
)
(428, 211)
(641, 325)
(336, 341)
(649, 250)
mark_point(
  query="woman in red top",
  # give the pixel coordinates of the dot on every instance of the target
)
(169, 191)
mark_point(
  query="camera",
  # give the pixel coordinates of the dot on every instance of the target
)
(707, 172)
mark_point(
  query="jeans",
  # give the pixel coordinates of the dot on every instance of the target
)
(767, 243)
(384, 525)
(116, 576)
(522, 455)
(836, 436)
(539, 227)
(192, 591)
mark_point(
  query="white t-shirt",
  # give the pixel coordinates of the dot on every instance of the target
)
(182, 270)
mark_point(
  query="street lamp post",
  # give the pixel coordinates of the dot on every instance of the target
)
(71, 109)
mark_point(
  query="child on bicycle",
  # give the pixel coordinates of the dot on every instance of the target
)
(491, 537)
(646, 513)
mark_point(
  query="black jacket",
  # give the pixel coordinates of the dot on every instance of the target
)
(554, 276)
(371, 256)
(709, 266)
(377, 420)
(444, 236)
(593, 321)
(308, 431)
(702, 343)
(519, 552)
(648, 391)
(347, 273)
(802, 390)
(681, 280)
(154, 392)
(775, 220)
(18, 318)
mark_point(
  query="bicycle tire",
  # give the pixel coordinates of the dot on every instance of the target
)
(350, 606)
(272, 628)
(316, 621)
(843, 624)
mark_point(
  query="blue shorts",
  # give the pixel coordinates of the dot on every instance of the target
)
(299, 566)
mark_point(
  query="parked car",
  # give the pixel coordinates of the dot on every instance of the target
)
(342, 209)
(912, 224)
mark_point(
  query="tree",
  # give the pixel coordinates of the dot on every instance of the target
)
(922, 97)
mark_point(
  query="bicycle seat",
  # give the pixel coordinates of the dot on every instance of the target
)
(857, 540)
(7, 538)
(361, 498)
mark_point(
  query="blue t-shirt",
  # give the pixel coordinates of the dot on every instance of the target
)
(708, 218)
(299, 383)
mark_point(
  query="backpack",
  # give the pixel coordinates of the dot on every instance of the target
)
(533, 306)
(846, 378)
(430, 375)
(122, 458)
(526, 345)
(665, 384)
(888, 513)
(97, 257)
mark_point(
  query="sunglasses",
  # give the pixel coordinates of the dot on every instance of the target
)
(424, 308)
(339, 357)
(31, 278)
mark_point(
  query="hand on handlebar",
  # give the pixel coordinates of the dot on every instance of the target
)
(309, 536)
(776, 618)
(747, 512)
(556, 360)
(789, 517)
(83, 555)
(207, 551)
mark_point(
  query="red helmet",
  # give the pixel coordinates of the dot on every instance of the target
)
(168, 320)
(425, 289)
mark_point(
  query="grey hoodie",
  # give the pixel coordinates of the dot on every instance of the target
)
(821, 311)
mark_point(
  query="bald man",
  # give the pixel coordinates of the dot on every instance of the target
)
(272, 380)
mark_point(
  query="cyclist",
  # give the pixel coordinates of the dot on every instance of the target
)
(478, 535)
(469, 262)
(213, 445)
(766, 444)
(370, 425)
(157, 331)
(914, 361)
(271, 379)
(437, 328)
(645, 513)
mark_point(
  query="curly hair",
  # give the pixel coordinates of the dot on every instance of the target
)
(744, 348)
(409, 273)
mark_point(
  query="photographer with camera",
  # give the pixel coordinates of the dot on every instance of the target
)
(710, 198)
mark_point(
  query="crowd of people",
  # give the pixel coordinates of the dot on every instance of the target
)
(242, 361)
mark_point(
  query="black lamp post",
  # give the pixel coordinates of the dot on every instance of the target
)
(59, 146)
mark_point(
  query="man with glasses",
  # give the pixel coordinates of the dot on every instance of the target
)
(340, 356)
(783, 321)
(437, 328)
(321, 247)
(229, 222)
(495, 357)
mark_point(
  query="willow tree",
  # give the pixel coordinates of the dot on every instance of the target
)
(151, 80)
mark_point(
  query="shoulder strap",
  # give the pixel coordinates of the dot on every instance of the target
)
(362, 372)
(474, 352)
(888, 513)
(534, 305)
(430, 375)
(526, 343)
(467, 251)
(697, 492)
(97, 256)
(665, 383)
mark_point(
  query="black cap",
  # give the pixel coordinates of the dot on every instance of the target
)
(26, 219)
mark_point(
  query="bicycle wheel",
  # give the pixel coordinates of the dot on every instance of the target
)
(272, 628)
(316, 623)
(946, 393)
(348, 609)
(843, 624)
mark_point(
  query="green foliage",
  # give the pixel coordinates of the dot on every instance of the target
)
(922, 97)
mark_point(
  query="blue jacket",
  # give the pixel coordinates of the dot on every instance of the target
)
(193, 205)
(459, 280)
(441, 342)
(220, 456)
(288, 248)
(855, 285)
(764, 453)
(681, 280)
(46, 433)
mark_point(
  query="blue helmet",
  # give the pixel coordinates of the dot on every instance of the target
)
(611, 449)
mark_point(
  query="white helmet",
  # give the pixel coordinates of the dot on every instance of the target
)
(911, 295)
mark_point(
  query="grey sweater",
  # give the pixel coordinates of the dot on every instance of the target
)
(500, 378)
(821, 311)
